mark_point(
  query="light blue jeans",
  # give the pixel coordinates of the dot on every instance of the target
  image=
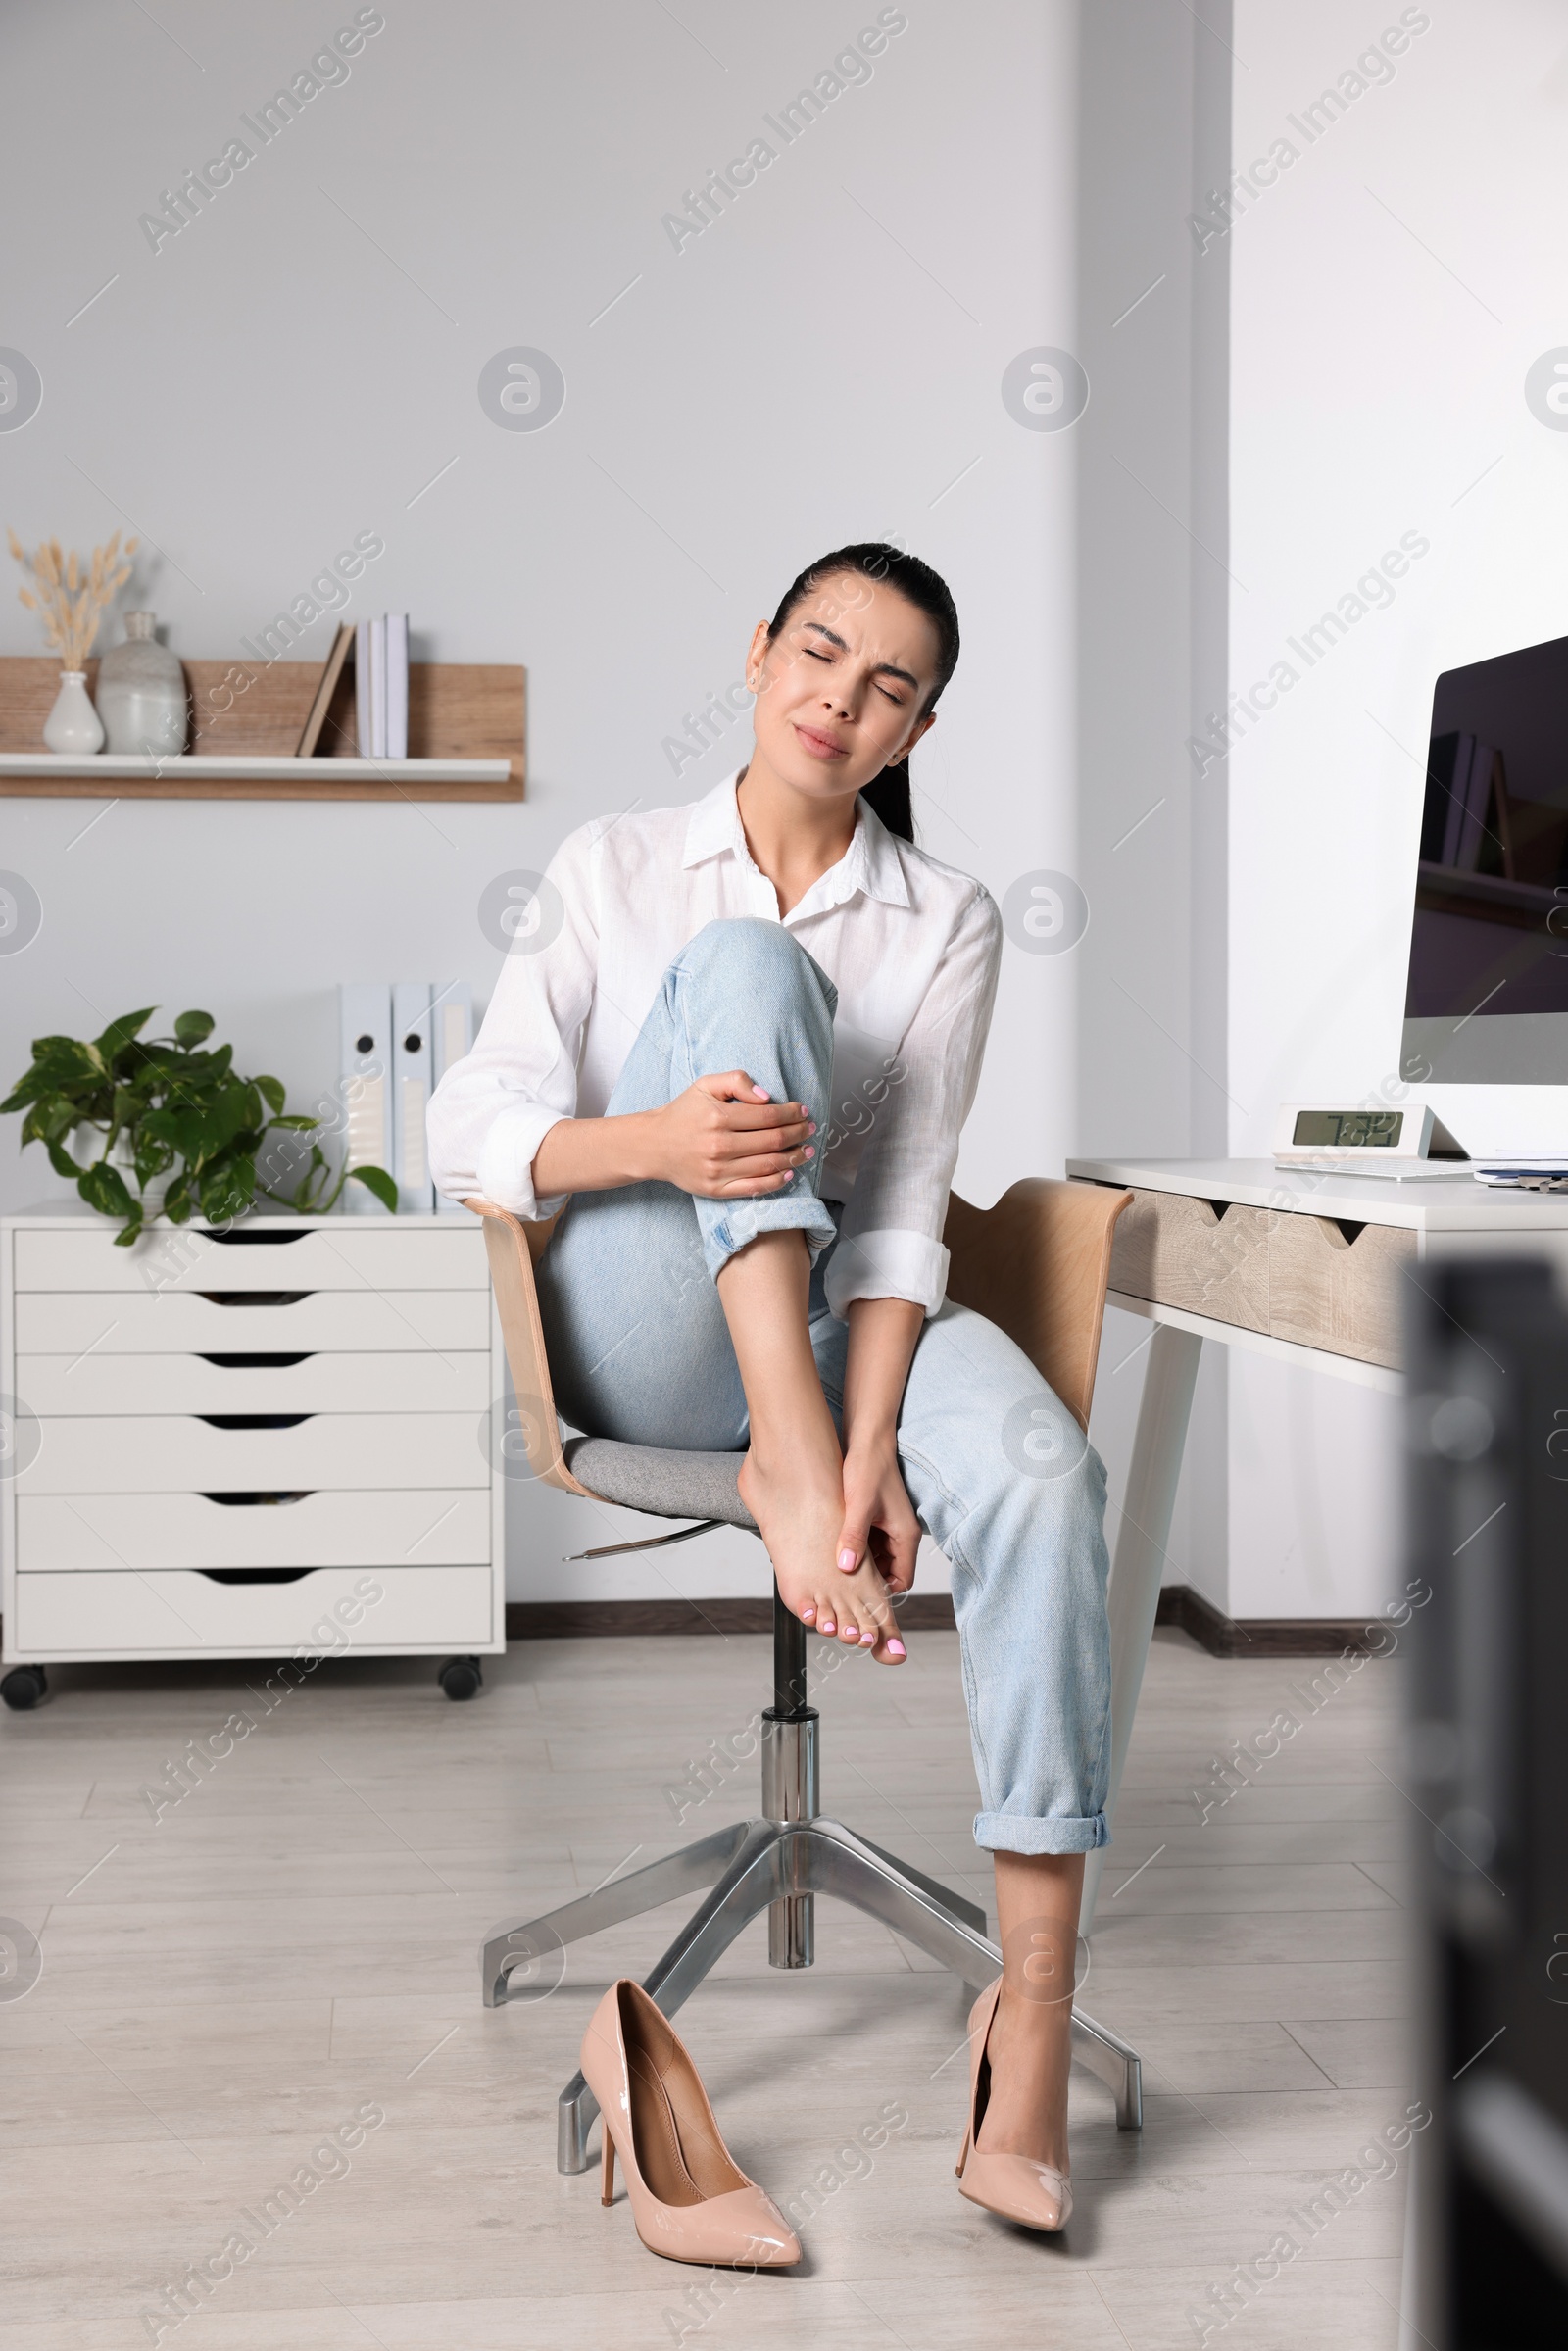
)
(999, 1474)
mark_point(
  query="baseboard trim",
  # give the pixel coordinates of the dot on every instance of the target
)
(1261, 1635)
(932, 1612)
(572, 1620)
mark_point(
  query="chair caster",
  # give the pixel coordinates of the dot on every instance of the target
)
(24, 1686)
(460, 1678)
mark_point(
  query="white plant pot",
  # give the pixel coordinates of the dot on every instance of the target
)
(74, 728)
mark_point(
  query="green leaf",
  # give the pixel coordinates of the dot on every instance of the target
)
(177, 1200)
(376, 1180)
(228, 1192)
(192, 1027)
(152, 1158)
(65, 1060)
(104, 1187)
(181, 1128)
(63, 1163)
(120, 1032)
(130, 1231)
(50, 1117)
(275, 1092)
(295, 1124)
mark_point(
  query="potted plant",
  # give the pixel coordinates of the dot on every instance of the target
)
(174, 1114)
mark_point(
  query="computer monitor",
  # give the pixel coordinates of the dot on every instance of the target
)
(1485, 1016)
(1487, 996)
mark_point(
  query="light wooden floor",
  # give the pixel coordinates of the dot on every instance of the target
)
(295, 1940)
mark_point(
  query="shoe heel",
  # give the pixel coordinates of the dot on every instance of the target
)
(606, 2193)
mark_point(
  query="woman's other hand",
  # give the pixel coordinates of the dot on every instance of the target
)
(879, 1518)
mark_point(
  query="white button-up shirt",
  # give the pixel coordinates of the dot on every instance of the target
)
(911, 945)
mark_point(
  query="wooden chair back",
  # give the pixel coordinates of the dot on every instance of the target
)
(512, 1247)
(1038, 1265)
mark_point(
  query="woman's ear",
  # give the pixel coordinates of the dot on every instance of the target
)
(921, 726)
(757, 654)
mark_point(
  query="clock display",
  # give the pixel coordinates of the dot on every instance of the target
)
(1347, 1130)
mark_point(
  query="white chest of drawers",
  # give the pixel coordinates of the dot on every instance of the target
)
(266, 1443)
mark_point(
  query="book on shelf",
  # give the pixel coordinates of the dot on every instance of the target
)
(362, 689)
(381, 686)
(397, 686)
(332, 670)
(377, 745)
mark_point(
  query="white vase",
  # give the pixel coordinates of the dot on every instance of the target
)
(74, 728)
(141, 693)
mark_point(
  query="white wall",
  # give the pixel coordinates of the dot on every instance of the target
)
(1343, 365)
(1388, 295)
(1154, 122)
(824, 362)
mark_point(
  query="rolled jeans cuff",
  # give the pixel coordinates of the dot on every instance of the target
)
(1015, 1832)
(728, 1225)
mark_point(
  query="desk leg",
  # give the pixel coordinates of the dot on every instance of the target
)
(1162, 1415)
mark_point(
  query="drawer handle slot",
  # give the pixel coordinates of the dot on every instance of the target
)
(254, 1298)
(248, 1237)
(257, 1362)
(1350, 1231)
(253, 1420)
(259, 1502)
(255, 1575)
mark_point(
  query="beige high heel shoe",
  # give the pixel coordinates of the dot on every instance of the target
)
(690, 2200)
(1014, 2185)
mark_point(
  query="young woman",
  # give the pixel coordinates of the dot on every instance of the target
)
(736, 1042)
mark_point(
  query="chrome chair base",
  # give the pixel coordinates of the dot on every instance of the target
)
(778, 1866)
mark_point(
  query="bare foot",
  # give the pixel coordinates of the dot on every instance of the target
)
(800, 1510)
(1030, 2050)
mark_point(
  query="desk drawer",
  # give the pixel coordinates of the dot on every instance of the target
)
(356, 1254)
(98, 1383)
(430, 1527)
(70, 1322)
(1184, 1252)
(1343, 1291)
(333, 1450)
(334, 1609)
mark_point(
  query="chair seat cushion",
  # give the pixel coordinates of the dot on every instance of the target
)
(666, 1485)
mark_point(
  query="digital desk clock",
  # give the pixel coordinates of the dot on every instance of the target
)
(1411, 1142)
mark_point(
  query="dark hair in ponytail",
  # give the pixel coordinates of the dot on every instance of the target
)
(888, 795)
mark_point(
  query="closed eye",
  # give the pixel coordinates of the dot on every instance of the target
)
(812, 655)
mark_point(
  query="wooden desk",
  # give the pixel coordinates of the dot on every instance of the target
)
(1305, 1267)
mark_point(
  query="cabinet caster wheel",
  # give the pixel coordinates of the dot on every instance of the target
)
(24, 1686)
(460, 1678)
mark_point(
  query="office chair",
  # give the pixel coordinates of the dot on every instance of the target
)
(1037, 1264)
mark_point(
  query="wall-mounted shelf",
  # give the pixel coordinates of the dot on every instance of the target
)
(465, 738)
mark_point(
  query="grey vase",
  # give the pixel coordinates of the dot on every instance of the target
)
(141, 693)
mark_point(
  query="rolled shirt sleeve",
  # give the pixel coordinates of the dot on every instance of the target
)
(492, 1109)
(890, 1241)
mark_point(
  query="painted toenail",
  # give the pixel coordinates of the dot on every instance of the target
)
(827, 1625)
(807, 1615)
(895, 1649)
(845, 1561)
(868, 1640)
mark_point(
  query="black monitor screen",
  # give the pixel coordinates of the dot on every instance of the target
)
(1490, 933)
